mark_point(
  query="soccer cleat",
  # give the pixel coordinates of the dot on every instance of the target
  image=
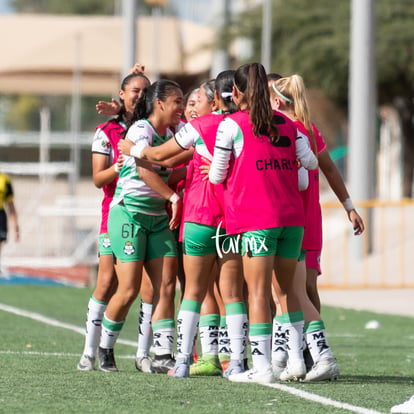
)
(207, 365)
(180, 370)
(405, 407)
(234, 367)
(143, 364)
(293, 371)
(324, 369)
(278, 367)
(224, 361)
(224, 364)
(254, 376)
(107, 360)
(86, 363)
(161, 364)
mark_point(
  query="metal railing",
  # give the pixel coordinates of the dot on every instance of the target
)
(383, 255)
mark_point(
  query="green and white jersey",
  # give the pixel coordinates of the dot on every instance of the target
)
(137, 196)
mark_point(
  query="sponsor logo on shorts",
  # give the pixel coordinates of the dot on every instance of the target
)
(129, 248)
(106, 242)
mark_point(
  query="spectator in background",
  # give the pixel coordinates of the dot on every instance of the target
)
(7, 211)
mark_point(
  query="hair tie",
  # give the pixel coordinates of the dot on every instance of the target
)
(281, 94)
(225, 95)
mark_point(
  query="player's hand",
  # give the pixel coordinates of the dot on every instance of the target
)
(205, 168)
(357, 222)
(108, 108)
(176, 209)
(137, 68)
(125, 145)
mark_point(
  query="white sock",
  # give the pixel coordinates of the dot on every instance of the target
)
(110, 332)
(236, 318)
(187, 320)
(163, 335)
(209, 332)
(224, 340)
(315, 337)
(94, 317)
(260, 342)
(294, 334)
(144, 329)
(279, 352)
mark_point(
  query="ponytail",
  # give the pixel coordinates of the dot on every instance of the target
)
(251, 81)
(294, 91)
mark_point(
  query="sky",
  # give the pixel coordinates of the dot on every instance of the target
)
(5, 7)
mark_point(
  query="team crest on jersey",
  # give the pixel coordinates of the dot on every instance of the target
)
(105, 144)
(106, 242)
(129, 248)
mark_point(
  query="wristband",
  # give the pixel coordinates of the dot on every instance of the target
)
(116, 168)
(135, 151)
(348, 205)
(174, 198)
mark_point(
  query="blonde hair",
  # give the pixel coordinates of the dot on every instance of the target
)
(292, 90)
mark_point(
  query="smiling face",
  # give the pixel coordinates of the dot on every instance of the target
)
(190, 111)
(173, 107)
(132, 91)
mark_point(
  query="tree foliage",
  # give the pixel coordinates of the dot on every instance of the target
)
(313, 39)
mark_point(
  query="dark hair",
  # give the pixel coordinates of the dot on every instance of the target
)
(273, 76)
(224, 86)
(187, 97)
(124, 84)
(251, 80)
(145, 104)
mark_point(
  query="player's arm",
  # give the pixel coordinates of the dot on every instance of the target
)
(336, 182)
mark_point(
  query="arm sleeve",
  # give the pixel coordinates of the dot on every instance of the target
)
(138, 133)
(187, 136)
(303, 178)
(100, 143)
(304, 153)
(222, 151)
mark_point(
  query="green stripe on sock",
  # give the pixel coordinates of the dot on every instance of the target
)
(293, 317)
(314, 326)
(98, 301)
(279, 319)
(190, 305)
(237, 308)
(162, 324)
(112, 325)
(260, 329)
(209, 320)
(222, 321)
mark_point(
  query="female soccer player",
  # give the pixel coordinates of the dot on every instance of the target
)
(256, 157)
(140, 228)
(203, 240)
(288, 95)
(105, 172)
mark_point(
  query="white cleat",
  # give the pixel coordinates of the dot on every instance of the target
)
(86, 363)
(294, 371)
(254, 376)
(144, 364)
(278, 367)
(324, 370)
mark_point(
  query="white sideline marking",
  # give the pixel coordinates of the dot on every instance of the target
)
(294, 391)
(54, 322)
(322, 400)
